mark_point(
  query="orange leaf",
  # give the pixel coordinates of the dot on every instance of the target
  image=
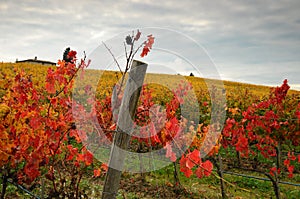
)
(50, 88)
(104, 167)
(97, 172)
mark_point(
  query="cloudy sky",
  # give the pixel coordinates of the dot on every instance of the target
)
(249, 41)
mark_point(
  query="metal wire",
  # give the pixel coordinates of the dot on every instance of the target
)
(23, 189)
(259, 178)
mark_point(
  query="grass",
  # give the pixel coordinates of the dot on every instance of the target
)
(160, 184)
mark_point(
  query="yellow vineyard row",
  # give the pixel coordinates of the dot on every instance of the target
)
(237, 94)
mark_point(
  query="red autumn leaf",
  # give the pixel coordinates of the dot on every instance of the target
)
(53, 102)
(169, 153)
(286, 162)
(145, 52)
(32, 171)
(168, 125)
(183, 168)
(72, 152)
(35, 123)
(242, 144)
(298, 114)
(192, 159)
(273, 170)
(173, 157)
(138, 35)
(74, 133)
(76, 164)
(80, 158)
(207, 166)
(104, 167)
(148, 45)
(88, 156)
(35, 142)
(72, 54)
(50, 88)
(186, 171)
(189, 164)
(156, 139)
(149, 42)
(97, 172)
(291, 156)
(199, 172)
(290, 170)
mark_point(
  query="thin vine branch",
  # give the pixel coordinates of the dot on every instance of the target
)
(116, 61)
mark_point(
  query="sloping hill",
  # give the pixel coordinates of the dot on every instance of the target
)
(237, 93)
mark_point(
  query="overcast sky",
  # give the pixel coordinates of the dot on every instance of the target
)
(249, 41)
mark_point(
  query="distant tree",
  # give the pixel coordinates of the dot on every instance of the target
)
(192, 75)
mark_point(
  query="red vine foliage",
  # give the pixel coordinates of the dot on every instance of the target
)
(266, 127)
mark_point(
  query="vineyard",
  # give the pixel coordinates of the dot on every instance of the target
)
(50, 145)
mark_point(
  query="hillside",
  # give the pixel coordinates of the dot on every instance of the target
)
(199, 84)
(236, 93)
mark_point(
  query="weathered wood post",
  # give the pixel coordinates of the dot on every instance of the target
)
(124, 127)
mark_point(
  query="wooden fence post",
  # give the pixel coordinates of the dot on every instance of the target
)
(124, 126)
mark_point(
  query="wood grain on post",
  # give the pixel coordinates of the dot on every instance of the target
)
(124, 127)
